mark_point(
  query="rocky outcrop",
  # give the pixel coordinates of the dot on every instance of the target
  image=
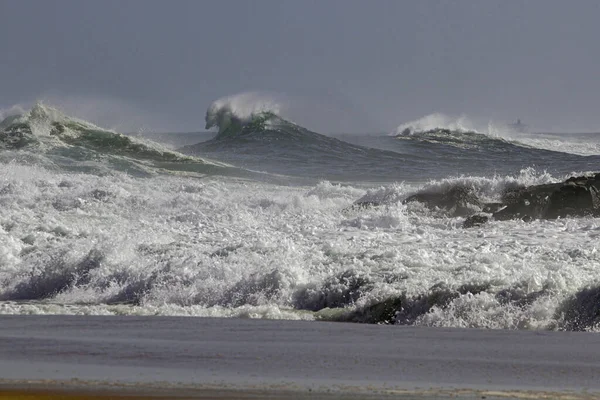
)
(575, 197)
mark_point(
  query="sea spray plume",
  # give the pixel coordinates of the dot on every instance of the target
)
(114, 113)
(435, 121)
(12, 112)
(55, 128)
(231, 113)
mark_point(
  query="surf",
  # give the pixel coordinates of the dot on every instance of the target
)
(52, 139)
(257, 136)
(462, 133)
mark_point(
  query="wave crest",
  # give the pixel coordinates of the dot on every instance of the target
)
(233, 112)
(435, 121)
(54, 139)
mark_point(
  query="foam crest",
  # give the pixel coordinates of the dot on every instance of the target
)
(489, 189)
(46, 136)
(573, 144)
(433, 122)
(239, 110)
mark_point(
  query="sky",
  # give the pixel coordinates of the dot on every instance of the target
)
(337, 65)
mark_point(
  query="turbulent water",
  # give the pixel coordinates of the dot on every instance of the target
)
(259, 221)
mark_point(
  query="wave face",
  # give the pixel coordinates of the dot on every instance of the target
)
(49, 138)
(256, 137)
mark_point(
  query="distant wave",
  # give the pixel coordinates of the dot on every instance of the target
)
(461, 132)
(457, 138)
(44, 133)
(256, 136)
(435, 121)
(565, 143)
(454, 131)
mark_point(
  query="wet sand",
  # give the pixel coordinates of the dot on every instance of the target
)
(51, 357)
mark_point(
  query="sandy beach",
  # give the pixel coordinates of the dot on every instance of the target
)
(51, 357)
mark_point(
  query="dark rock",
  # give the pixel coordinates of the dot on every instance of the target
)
(475, 220)
(573, 199)
(576, 197)
(525, 203)
(458, 201)
(492, 207)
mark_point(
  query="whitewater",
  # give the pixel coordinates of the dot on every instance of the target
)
(262, 221)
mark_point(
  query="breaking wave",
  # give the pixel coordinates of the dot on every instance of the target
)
(86, 244)
(433, 122)
(255, 136)
(462, 133)
(230, 114)
(46, 136)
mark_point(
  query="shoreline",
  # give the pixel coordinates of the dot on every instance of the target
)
(66, 390)
(182, 357)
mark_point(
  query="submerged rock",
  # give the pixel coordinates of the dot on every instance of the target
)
(458, 201)
(404, 310)
(475, 220)
(581, 312)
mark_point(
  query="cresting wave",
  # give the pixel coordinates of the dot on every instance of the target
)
(462, 133)
(254, 136)
(230, 114)
(434, 122)
(47, 137)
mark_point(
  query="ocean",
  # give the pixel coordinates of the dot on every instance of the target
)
(268, 219)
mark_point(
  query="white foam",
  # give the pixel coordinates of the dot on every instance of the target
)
(11, 111)
(240, 107)
(567, 143)
(183, 246)
(436, 121)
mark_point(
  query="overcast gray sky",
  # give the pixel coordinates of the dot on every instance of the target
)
(343, 65)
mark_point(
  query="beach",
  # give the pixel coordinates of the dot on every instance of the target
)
(184, 357)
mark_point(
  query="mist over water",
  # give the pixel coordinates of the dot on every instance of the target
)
(259, 220)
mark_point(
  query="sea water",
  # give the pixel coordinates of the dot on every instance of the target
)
(259, 221)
